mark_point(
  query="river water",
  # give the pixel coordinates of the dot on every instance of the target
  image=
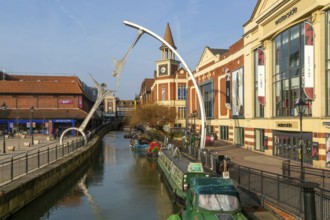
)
(116, 184)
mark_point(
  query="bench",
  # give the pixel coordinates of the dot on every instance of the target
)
(11, 148)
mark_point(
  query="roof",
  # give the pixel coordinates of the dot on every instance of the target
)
(40, 88)
(218, 51)
(168, 37)
(214, 185)
(41, 84)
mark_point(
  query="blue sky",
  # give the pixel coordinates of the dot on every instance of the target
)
(82, 37)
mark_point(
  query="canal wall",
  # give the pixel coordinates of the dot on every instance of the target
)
(24, 190)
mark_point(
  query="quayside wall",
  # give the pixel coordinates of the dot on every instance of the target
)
(24, 190)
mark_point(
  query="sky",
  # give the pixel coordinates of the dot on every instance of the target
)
(82, 37)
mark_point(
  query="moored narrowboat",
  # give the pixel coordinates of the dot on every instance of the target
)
(211, 198)
(177, 171)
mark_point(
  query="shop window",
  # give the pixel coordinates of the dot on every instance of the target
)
(259, 141)
(208, 96)
(288, 75)
(224, 132)
(328, 61)
(239, 136)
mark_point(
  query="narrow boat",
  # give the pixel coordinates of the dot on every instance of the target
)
(211, 198)
(138, 145)
(153, 150)
(177, 171)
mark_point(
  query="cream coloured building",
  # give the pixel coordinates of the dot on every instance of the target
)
(250, 90)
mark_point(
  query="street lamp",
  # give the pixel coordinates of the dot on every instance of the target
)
(194, 116)
(4, 107)
(301, 105)
(67, 118)
(31, 127)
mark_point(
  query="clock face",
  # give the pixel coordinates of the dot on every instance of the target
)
(163, 69)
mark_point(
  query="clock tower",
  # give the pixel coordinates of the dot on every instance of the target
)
(167, 66)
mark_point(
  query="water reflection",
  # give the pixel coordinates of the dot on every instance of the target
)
(116, 184)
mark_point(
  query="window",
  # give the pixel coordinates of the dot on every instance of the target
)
(224, 132)
(239, 136)
(259, 141)
(182, 92)
(163, 92)
(288, 75)
(207, 93)
(259, 82)
(181, 113)
(328, 61)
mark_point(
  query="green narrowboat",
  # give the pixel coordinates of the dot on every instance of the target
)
(177, 170)
(212, 198)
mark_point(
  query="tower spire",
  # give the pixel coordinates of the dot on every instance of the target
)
(168, 37)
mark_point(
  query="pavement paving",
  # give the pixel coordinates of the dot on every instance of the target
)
(21, 145)
(248, 158)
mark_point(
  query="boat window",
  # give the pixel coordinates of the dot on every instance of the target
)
(218, 202)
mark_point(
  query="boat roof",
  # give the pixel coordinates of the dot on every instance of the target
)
(214, 185)
(181, 163)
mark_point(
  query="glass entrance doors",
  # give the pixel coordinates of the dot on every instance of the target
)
(287, 145)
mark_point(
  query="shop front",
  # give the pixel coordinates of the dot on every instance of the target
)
(287, 145)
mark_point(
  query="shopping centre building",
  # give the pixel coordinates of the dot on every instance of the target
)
(251, 89)
(40, 104)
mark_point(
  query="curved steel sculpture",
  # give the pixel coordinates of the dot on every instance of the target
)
(199, 95)
(102, 92)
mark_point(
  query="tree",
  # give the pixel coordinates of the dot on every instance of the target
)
(153, 115)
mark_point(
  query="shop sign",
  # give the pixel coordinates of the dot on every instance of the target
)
(286, 124)
(65, 101)
(287, 15)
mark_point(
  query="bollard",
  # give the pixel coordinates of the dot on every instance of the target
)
(309, 200)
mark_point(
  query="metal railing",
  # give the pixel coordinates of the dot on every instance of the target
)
(27, 162)
(283, 191)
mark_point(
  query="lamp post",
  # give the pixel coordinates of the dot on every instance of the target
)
(4, 107)
(31, 127)
(300, 105)
(194, 115)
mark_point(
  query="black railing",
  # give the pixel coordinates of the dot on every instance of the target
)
(25, 163)
(286, 192)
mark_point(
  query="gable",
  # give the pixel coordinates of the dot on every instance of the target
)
(264, 6)
(206, 57)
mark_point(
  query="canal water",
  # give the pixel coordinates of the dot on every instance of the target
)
(116, 184)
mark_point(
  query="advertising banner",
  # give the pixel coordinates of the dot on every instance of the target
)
(237, 93)
(309, 60)
(261, 76)
(228, 106)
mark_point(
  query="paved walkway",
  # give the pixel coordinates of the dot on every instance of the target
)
(20, 145)
(248, 158)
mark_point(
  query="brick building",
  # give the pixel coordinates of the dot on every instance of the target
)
(49, 102)
(250, 91)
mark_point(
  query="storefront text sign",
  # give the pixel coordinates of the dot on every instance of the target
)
(287, 15)
(287, 124)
